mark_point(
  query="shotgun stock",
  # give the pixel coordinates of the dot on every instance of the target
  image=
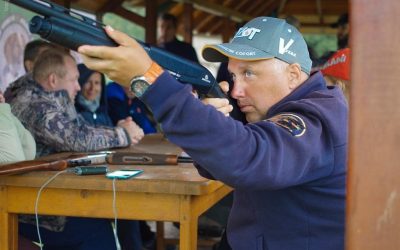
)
(127, 158)
(34, 165)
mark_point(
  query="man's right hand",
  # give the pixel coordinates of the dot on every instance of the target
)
(135, 132)
(221, 104)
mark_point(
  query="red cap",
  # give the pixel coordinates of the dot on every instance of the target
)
(338, 65)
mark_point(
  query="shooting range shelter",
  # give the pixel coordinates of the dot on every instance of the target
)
(373, 190)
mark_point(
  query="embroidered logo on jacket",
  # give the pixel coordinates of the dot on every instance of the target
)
(291, 122)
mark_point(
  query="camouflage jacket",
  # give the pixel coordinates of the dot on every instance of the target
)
(56, 126)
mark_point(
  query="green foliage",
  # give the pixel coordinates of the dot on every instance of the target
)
(124, 25)
(321, 43)
(7, 8)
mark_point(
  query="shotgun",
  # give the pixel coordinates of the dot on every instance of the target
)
(78, 159)
(71, 30)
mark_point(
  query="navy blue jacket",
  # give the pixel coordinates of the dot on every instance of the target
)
(120, 106)
(288, 171)
(182, 49)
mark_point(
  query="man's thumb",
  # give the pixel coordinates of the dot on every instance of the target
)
(119, 37)
(224, 85)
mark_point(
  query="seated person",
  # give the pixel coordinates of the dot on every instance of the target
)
(16, 143)
(45, 105)
(91, 103)
(32, 50)
(336, 70)
(122, 103)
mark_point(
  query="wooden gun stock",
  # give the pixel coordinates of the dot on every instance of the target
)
(27, 166)
(127, 158)
(121, 158)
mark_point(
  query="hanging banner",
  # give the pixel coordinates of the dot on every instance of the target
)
(14, 35)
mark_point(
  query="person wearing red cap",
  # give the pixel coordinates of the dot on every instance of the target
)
(336, 70)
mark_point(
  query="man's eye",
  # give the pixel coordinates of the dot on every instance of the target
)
(248, 73)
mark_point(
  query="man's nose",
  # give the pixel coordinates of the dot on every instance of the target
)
(237, 90)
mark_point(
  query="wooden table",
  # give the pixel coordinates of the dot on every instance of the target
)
(162, 193)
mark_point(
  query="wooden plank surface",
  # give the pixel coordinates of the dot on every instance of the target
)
(373, 205)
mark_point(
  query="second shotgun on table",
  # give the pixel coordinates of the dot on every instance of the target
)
(85, 159)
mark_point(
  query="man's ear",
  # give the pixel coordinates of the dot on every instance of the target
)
(28, 65)
(52, 81)
(294, 72)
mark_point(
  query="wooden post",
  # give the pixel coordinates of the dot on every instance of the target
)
(373, 201)
(228, 31)
(151, 21)
(187, 22)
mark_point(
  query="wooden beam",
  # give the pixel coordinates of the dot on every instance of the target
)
(151, 22)
(253, 7)
(307, 7)
(218, 9)
(209, 23)
(239, 6)
(216, 26)
(187, 22)
(133, 17)
(203, 22)
(316, 24)
(268, 8)
(373, 186)
(176, 10)
(282, 5)
(228, 30)
(110, 6)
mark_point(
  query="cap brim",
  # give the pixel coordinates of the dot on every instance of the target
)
(222, 52)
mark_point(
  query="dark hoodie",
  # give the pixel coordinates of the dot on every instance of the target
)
(100, 116)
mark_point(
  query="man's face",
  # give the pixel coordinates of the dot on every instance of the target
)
(70, 81)
(258, 85)
(166, 31)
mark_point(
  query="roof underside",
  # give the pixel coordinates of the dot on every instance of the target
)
(214, 17)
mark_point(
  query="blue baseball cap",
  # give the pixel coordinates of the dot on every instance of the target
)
(263, 38)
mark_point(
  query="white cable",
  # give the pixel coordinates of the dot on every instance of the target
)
(115, 216)
(37, 204)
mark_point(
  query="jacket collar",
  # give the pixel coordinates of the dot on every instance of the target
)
(314, 83)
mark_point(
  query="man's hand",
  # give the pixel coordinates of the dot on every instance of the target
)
(134, 131)
(221, 104)
(120, 63)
